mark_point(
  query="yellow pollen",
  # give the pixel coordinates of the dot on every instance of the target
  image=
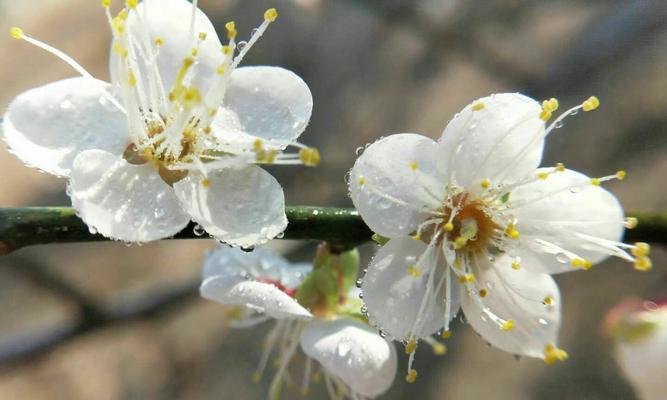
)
(449, 227)
(221, 70)
(486, 183)
(417, 237)
(122, 15)
(205, 182)
(483, 293)
(545, 115)
(202, 36)
(131, 3)
(543, 175)
(310, 157)
(159, 42)
(17, 33)
(213, 112)
(439, 349)
(512, 232)
(631, 222)
(591, 104)
(508, 325)
(595, 182)
(553, 354)
(131, 78)
(548, 301)
(467, 278)
(411, 377)
(411, 346)
(227, 50)
(256, 377)
(106, 3)
(478, 106)
(194, 52)
(580, 262)
(362, 181)
(457, 263)
(231, 30)
(460, 242)
(516, 266)
(413, 166)
(620, 175)
(207, 130)
(270, 15)
(414, 272)
(550, 105)
(446, 334)
(643, 264)
(560, 167)
(187, 62)
(641, 249)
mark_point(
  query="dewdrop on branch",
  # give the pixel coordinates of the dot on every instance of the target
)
(473, 222)
(179, 134)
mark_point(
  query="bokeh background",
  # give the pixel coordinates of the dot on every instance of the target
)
(106, 321)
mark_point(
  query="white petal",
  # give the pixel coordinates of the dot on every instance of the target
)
(169, 20)
(46, 127)
(264, 297)
(244, 207)
(259, 263)
(501, 142)
(393, 297)
(353, 352)
(390, 195)
(562, 218)
(516, 295)
(270, 103)
(123, 201)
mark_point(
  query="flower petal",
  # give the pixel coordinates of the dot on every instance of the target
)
(499, 137)
(565, 210)
(243, 207)
(169, 20)
(393, 296)
(270, 103)
(264, 297)
(352, 352)
(46, 127)
(123, 201)
(531, 301)
(394, 183)
(259, 263)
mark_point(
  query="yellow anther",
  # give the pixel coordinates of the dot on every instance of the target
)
(560, 167)
(227, 50)
(439, 349)
(131, 78)
(511, 231)
(486, 183)
(411, 377)
(553, 354)
(641, 249)
(309, 157)
(543, 175)
(221, 70)
(631, 222)
(207, 130)
(117, 23)
(550, 105)
(411, 346)
(595, 182)
(467, 278)
(478, 106)
(205, 182)
(414, 272)
(516, 266)
(191, 97)
(483, 293)
(270, 15)
(256, 377)
(187, 62)
(213, 112)
(508, 325)
(545, 115)
(194, 52)
(17, 33)
(547, 301)
(159, 42)
(106, 3)
(131, 3)
(580, 262)
(361, 181)
(449, 227)
(231, 30)
(417, 237)
(258, 144)
(643, 264)
(122, 15)
(202, 36)
(591, 104)
(413, 166)
(457, 263)
(446, 334)
(620, 175)
(460, 242)
(120, 50)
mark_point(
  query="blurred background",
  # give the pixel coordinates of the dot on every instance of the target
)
(106, 321)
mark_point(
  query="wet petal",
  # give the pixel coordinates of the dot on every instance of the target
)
(48, 126)
(123, 201)
(393, 296)
(243, 207)
(499, 137)
(269, 103)
(530, 301)
(394, 184)
(565, 210)
(263, 297)
(352, 352)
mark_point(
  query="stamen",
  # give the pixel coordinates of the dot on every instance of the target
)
(553, 354)
(590, 104)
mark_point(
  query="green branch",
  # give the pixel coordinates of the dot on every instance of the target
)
(341, 227)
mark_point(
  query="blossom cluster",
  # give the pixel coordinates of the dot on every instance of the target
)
(468, 222)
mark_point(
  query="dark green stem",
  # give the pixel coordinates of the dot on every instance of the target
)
(341, 227)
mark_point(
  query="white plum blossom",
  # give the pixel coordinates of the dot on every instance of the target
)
(639, 329)
(356, 362)
(472, 222)
(178, 133)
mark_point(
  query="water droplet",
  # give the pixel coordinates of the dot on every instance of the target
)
(347, 177)
(360, 150)
(361, 295)
(559, 125)
(253, 31)
(159, 213)
(650, 306)
(382, 333)
(248, 249)
(92, 230)
(574, 190)
(562, 258)
(127, 244)
(359, 282)
(343, 349)
(241, 45)
(280, 235)
(543, 321)
(66, 105)
(364, 309)
(198, 230)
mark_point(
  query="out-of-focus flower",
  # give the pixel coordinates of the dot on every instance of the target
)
(473, 222)
(639, 330)
(177, 135)
(315, 308)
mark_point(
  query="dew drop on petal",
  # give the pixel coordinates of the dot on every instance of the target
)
(359, 282)
(543, 321)
(562, 258)
(359, 150)
(248, 249)
(198, 230)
